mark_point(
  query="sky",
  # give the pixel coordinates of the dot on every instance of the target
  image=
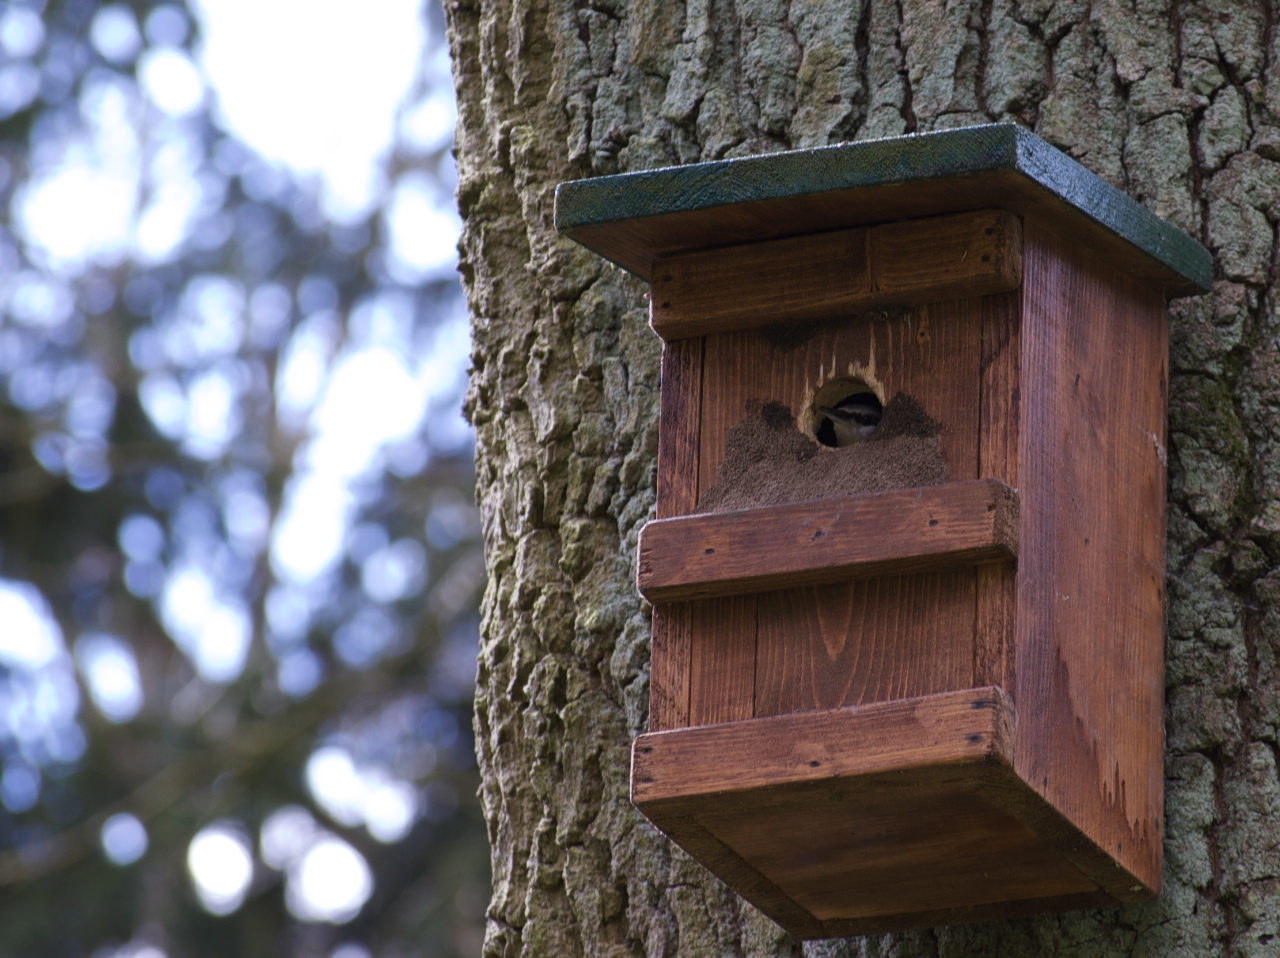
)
(320, 90)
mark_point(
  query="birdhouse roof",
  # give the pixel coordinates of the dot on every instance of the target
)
(635, 218)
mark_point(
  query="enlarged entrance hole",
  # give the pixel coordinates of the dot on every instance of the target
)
(845, 412)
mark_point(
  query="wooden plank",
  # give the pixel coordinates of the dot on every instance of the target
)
(998, 459)
(830, 274)
(872, 640)
(1090, 580)
(827, 541)
(946, 257)
(723, 660)
(932, 353)
(669, 654)
(679, 427)
(863, 820)
(689, 834)
(973, 725)
(922, 840)
(677, 493)
(996, 911)
(635, 218)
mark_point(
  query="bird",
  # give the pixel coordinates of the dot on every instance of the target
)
(854, 419)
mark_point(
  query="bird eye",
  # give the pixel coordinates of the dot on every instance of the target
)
(845, 412)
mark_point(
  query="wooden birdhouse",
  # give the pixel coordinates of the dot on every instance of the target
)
(907, 572)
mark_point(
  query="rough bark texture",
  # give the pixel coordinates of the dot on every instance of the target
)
(1179, 104)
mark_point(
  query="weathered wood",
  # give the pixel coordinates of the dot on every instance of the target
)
(677, 493)
(873, 640)
(741, 876)
(1090, 633)
(818, 276)
(636, 218)
(966, 726)
(723, 660)
(679, 426)
(897, 814)
(932, 353)
(827, 541)
(998, 459)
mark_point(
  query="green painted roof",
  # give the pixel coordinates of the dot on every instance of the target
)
(634, 218)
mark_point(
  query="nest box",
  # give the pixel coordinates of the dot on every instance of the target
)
(908, 672)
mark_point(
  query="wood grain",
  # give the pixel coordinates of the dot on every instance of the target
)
(679, 427)
(971, 725)
(998, 434)
(874, 640)
(677, 493)
(827, 541)
(828, 274)
(722, 660)
(932, 353)
(860, 820)
(1090, 632)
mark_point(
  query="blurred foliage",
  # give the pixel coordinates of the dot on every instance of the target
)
(295, 590)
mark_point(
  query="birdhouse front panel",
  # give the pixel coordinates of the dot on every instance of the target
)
(906, 571)
(855, 641)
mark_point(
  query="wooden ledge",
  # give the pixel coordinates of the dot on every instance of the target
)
(827, 540)
(833, 274)
(944, 729)
(873, 818)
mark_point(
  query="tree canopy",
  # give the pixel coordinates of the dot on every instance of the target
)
(239, 560)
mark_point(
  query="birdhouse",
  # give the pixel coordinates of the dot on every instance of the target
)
(907, 570)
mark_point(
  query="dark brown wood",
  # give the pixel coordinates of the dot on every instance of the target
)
(678, 426)
(998, 459)
(827, 541)
(733, 288)
(669, 654)
(723, 660)
(946, 257)
(1090, 632)
(741, 876)
(833, 682)
(996, 911)
(874, 640)
(932, 353)
(952, 728)
(860, 820)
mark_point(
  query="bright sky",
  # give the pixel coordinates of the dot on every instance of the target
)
(322, 89)
(315, 84)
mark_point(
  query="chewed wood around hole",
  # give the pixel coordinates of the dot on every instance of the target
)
(844, 412)
(769, 460)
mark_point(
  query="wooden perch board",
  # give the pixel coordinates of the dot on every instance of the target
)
(860, 820)
(828, 540)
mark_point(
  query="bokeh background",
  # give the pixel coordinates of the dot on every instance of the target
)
(239, 557)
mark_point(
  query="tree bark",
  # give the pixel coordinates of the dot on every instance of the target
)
(1177, 104)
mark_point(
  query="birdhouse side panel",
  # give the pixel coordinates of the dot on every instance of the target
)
(1090, 637)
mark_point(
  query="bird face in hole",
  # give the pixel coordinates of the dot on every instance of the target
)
(854, 418)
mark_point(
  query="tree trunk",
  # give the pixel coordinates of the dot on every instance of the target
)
(1176, 104)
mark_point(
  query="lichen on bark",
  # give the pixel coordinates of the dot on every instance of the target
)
(1176, 103)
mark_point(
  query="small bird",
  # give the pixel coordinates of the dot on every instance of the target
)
(854, 419)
